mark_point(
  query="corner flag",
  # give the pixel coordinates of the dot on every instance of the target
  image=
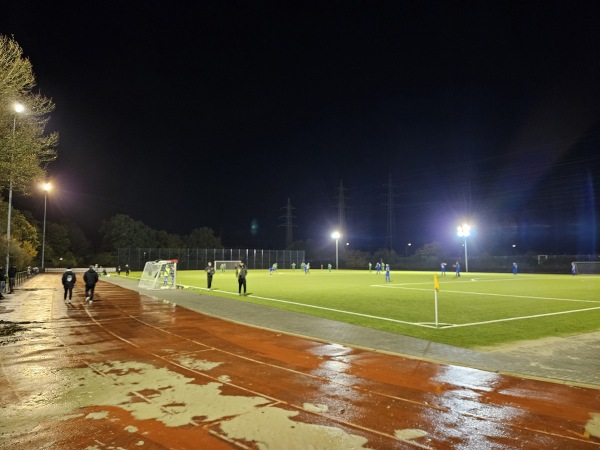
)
(436, 285)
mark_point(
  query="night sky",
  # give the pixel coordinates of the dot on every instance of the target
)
(215, 114)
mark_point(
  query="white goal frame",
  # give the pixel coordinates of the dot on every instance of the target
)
(230, 264)
(160, 274)
(587, 267)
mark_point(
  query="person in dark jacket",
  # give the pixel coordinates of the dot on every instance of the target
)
(210, 271)
(12, 278)
(90, 278)
(68, 281)
(241, 274)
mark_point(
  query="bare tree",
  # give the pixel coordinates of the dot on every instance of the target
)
(25, 147)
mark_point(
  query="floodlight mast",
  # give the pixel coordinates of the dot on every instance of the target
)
(336, 235)
(464, 231)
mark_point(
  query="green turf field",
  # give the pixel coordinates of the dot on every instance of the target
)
(477, 309)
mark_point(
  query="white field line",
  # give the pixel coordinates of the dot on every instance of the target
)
(518, 318)
(447, 325)
(465, 278)
(288, 302)
(486, 293)
(419, 324)
(387, 319)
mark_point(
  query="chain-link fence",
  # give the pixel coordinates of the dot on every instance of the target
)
(198, 258)
(555, 264)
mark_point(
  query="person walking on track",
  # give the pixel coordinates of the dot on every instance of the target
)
(90, 278)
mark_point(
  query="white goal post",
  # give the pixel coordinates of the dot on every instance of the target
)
(228, 264)
(587, 267)
(160, 274)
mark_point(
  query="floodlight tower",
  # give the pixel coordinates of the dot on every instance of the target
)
(391, 216)
(336, 235)
(342, 209)
(288, 217)
(464, 231)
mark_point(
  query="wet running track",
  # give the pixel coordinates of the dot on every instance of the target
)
(134, 372)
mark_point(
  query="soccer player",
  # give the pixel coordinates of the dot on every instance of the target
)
(515, 269)
(457, 265)
(443, 265)
(387, 273)
(573, 269)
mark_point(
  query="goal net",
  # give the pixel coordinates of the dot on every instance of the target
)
(160, 274)
(227, 264)
(587, 267)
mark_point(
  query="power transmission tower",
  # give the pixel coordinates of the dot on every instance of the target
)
(391, 215)
(288, 224)
(341, 197)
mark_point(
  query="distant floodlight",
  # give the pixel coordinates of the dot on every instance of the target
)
(336, 235)
(464, 231)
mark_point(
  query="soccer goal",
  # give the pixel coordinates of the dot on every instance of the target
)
(160, 274)
(227, 264)
(587, 267)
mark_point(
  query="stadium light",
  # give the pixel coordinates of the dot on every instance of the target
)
(464, 231)
(46, 188)
(18, 108)
(336, 235)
